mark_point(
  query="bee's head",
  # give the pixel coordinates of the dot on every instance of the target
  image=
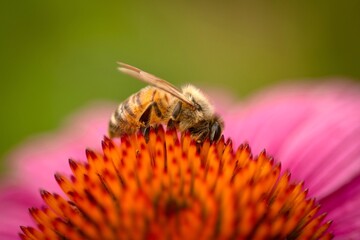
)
(202, 108)
(211, 129)
(200, 119)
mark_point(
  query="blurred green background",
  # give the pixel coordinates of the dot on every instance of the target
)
(58, 55)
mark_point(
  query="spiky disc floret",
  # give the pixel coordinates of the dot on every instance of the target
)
(168, 188)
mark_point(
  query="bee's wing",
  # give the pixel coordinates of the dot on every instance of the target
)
(153, 80)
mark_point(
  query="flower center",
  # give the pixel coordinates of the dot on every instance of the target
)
(168, 188)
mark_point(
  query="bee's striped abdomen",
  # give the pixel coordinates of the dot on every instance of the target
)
(146, 107)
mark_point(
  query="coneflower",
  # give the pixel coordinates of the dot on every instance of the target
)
(312, 130)
(176, 189)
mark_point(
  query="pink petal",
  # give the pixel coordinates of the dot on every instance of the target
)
(15, 201)
(315, 132)
(40, 157)
(35, 162)
(343, 206)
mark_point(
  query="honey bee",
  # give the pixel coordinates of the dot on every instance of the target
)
(161, 102)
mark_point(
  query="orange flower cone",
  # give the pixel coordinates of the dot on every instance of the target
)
(171, 188)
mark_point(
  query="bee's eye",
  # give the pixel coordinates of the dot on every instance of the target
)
(197, 106)
(215, 131)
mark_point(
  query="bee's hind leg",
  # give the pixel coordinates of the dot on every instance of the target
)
(145, 119)
(145, 132)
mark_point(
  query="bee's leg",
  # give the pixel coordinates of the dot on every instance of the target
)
(215, 132)
(157, 112)
(145, 116)
(176, 111)
(171, 124)
(145, 119)
(145, 132)
(157, 109)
